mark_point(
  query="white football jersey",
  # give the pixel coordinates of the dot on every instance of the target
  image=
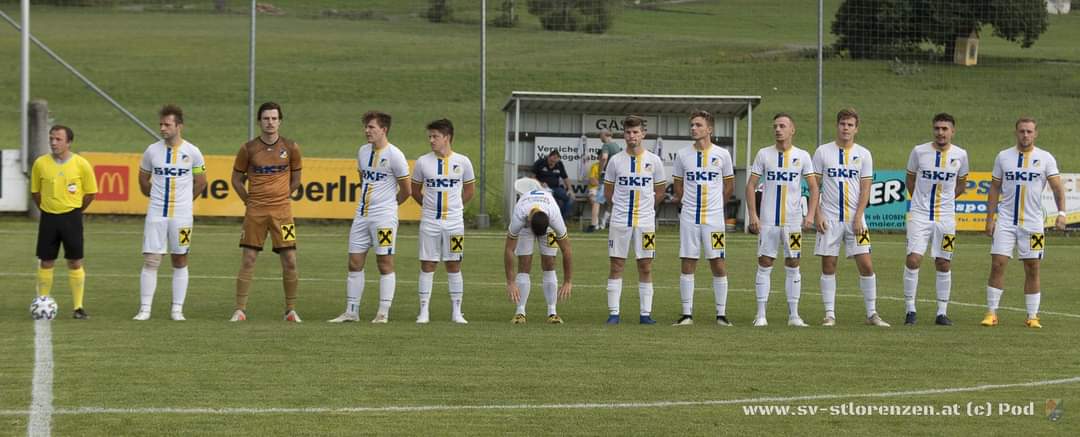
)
(172, 171)
(936, 173)
(634, 178)
(842, 171)
(1023, 177)
(781, 173)
(442, 180)
(536, 200)
(380, 171)
(704, 173)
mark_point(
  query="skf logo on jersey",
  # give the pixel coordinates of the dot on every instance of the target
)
(441, 183)
(635, 181)
(1023, 176)
(695, 175)
(841, 172)
(935, 175)
(373, 176)
(782, 176)
(112, 182)
(170, 171)
(268, 169)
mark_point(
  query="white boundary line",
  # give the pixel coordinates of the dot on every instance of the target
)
(577, 406)
(500, 285)
(41, 405)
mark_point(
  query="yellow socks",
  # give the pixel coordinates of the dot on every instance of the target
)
(44, 281)
(77, 280)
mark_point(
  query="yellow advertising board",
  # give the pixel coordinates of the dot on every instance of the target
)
(330, 188)
(971, 206)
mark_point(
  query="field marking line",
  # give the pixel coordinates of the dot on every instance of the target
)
(575, 406)
(41, 403)
(499, 284)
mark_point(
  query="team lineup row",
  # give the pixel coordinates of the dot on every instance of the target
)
(268, 168)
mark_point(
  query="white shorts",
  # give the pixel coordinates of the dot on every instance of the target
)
(693, 238)
(836, 233)
(378, 232)
(788, 236)
(1029, 245)
(163, 235)
(620, 238)
(441, 241)
(940, 235)
(548, 246)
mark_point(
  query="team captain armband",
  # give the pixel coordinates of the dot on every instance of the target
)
(198, 170)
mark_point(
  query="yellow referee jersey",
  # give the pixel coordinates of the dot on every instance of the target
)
(62, 185)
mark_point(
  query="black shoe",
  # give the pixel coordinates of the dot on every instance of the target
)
(80, 314)
(590, 229)
(685, 320)
(909, 318)
(942, 320)
(722, 321)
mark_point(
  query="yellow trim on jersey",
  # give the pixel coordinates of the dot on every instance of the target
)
(1023, 191)
(563, 237)
(468, 182)
(637, 206)
(677, 178)
(609, 183)
(445, 203)
(172, 187)
(843, 193)
(403, 177)
(702, 211)
(783, 192)
(511, 236)
(943, 163)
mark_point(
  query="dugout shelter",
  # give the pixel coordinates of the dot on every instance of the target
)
(539, 122)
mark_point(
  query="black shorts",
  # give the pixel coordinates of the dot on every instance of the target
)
(56, 229)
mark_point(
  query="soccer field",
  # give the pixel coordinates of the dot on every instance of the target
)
(115, 376)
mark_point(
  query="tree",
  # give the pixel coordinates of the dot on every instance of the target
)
(885, 28)
(439, 11)
(592, 16)
(508, 16)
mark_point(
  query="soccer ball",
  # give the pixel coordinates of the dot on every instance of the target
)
(43, 308)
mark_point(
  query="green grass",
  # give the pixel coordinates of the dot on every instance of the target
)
(329, 71)
(206, 362)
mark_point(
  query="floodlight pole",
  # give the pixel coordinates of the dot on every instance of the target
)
(251, 75)
(24, 85)
(483, 221)
(820, 65)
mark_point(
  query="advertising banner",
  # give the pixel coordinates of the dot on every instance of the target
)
(888, 201)
(330, 188)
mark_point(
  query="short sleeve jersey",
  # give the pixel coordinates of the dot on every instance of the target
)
(842, 170)
(380, 170)
(442, 179)
(62, 185)
(704, 173)
(268, 168)
(634, 178)
(595, 172)
(936, 172)
(1023, 177)
(172, 176)
(781, 173)
(540, 200)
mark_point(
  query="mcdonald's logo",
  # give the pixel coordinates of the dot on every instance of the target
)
(112, 182)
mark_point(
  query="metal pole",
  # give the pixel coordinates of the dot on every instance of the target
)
(749, 146)
(482, 219)
(251, 75)
(82, 78)
(24, 84)
(820, 65)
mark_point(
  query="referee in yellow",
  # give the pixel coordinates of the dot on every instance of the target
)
(63, 185)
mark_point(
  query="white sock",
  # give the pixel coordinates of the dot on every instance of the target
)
(944, 288)
(147, 286)
(551, 290)
(911, 287)
(426, 278)
(524, 284)
(387, 287)
(686, 293)
(828, 294)
(761, 289)
(793, 289)
(457, 288)
(719, 285)
(1032, 303)
(179, 288)
(993, 296)
(645, 293)
(614, 293)
(354, 290)
(868, 285)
